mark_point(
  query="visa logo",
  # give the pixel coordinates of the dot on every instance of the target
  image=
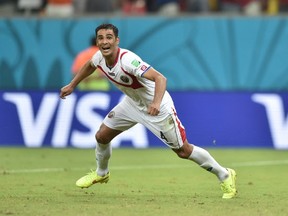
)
(278, 121)
(36, 121)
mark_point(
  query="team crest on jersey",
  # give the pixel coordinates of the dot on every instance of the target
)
(124, 79)
(111, 114)
(135, 62)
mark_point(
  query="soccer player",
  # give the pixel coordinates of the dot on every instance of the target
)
(146, 102)
(97, 81)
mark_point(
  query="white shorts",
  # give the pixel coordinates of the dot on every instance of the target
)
(166, 125)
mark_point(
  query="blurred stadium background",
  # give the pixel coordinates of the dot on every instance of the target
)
(226, 64)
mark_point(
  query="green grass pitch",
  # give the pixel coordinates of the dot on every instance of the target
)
(143, 182)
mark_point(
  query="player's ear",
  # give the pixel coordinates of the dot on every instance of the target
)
(118, 40)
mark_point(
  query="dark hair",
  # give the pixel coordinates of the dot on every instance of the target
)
(107, 26)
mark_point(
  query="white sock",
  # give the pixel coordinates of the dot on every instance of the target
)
(206, 161)
(103, 153)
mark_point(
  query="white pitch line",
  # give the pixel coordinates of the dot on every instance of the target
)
(33, 170)
(38, 170)
(241, 164)
(260, 163)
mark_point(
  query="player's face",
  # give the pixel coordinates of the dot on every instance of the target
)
(107, 42)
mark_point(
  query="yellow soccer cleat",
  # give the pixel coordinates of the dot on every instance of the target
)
(228, 186)
(92, 178)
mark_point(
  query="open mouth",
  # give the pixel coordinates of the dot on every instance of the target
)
(105, 49)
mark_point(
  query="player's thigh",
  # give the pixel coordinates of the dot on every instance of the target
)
(121, 117)
(169, 130)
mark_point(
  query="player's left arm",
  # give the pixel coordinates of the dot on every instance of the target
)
(160, 88)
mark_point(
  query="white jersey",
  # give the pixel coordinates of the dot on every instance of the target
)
(127, 75)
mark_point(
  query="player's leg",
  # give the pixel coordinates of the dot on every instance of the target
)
(103, 153)
(117, 121)
(172, 133)
(121, 118)
(226, 176)
(103, 150)
(203, 158)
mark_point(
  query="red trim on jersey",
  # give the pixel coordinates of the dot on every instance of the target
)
(135, 83)
(122, 55)
(116, 60)
(180, 127)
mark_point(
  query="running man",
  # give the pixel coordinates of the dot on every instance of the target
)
(146, 102)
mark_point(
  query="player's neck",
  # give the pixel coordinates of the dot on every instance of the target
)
(110, 60)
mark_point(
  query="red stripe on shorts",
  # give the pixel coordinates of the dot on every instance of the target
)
(180, 127)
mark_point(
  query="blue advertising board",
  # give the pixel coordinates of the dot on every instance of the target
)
(211, 119)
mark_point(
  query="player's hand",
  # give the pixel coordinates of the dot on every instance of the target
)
(153, 109)
(65, 91)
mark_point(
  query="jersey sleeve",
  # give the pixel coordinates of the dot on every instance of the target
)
(133, 64)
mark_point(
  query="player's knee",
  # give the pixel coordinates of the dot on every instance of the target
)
(100, 138)
(185, 151)
(181, 153)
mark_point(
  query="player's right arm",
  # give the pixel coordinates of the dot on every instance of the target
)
(85, 71)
